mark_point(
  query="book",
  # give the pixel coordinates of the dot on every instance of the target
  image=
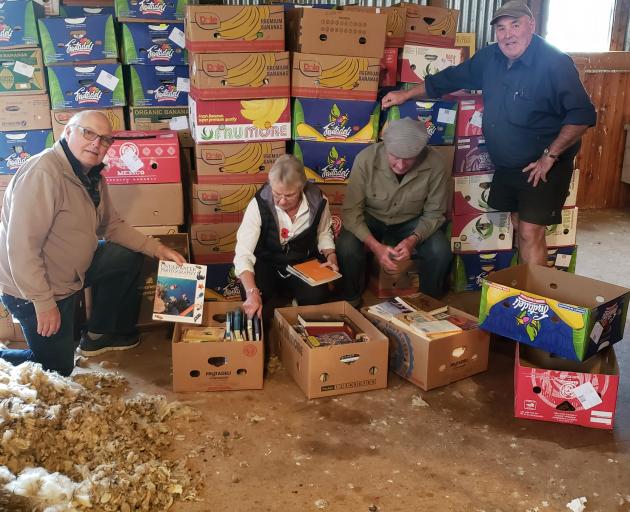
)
(433, 329)
(389, 309)
(331, 338)
(313, 273)
(203, 334)
(179, 292)
(421, 302)
(320, 320)
(465, 324)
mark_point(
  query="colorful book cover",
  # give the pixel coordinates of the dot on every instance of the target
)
(179, 292)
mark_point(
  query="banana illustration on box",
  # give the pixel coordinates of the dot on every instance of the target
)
(444, 26)
(248, 160)
(246, 25)
(252, 72)
(218, 243)
(237, 201)
(394, 22)
(345, 74)
(263, 113)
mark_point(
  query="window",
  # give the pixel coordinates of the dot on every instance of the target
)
(580, 25)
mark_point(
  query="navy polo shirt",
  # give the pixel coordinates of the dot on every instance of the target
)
(526, 105)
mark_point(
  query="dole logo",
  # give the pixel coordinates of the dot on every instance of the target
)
(15, 160)
(166, 93)
(336, 127)
(79, 46)
(91, 94)
(156, 7)
(160, 52)
(6, 32)
(336, 168)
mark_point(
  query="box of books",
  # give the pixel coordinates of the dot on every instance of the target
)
(19, 25)
(431, 344)
(220, 203)
(331, 349)
(159, 44)
(17, 147)
(225, 353)
(550, 388)
(387, 283)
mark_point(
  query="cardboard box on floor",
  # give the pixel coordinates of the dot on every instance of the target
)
(395, 26)
(213, 243)
(216, 366)
(548, 388)
(60, 118)
(9, 329)
(435, 363)
(385, 283)
(331, 370)
(28, 112)
(567, 315)
(211, 203)
(434, 26)
(154, 204)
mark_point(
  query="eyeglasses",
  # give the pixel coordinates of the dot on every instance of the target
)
(286, 197)
(105, 140)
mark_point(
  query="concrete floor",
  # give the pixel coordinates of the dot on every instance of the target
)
(274, 450)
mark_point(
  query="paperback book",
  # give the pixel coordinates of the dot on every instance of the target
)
(421, 302)
(179, 292)
(313, 273)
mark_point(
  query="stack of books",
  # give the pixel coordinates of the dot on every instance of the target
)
(237, 327)
(422, 315)
(324, 330)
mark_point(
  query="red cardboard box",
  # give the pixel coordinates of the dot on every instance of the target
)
(389, 67)
(489, 231)
(469, 114)
(548, 388)
(471, 193)
(143, 157)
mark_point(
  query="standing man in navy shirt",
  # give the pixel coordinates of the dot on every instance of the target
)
(535, 113)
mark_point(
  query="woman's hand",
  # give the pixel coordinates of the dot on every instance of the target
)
(331, 262)
(253, 304)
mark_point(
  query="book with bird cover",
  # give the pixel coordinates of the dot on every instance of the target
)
(179, 292)
(313, 273)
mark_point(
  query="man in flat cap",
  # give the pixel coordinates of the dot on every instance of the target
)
(395, 203)
(535, 113)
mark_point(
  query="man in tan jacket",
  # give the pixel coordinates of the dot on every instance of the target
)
(55, 210)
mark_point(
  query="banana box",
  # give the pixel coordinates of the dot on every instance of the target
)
(79, 11)
(24, 112)
(236, 163)
(213, 243)
(395, 26)
(334, 192)
(420, 61)
(471, 194)
(324, 120)
(89, 86)
(334, 32)
(232, 76)
(153, 44)
(159, 11)
(89, 38)
(21, 71)
(563, 234)
(234, 28)
(334, 76)
(161, 118)
(18, 27)
(149, 204)
(157, 86)
(222, 283)
(571, 199)
(143, 157)
(471, 155)
(489, 231)
(239, 121)
(60, 119)
(438, 117)
(469, 270)
(434, 26)
(549, 388)
(327, 162)
(17, 147)
(567, 315)
(220, 203)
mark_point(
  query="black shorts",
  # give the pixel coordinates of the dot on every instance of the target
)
(542, 205)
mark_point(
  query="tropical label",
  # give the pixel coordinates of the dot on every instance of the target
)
(428, 111)
(17, 147)
(17, 24)
(78, 87)
(326, 161)
(145, 43)
(156, 86)
(222, 283)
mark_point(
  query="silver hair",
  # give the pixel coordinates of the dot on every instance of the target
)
(287, 170)
(78, 117)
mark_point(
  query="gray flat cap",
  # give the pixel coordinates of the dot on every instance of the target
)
(513, 9)
(405, 138)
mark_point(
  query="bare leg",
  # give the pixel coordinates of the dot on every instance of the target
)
(532, 245)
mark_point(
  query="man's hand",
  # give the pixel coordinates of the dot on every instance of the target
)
(331, 262)
(405, 248)
(166, 253)
(394, 98)
(253, 305)
(48, 322)
(538, 170)
(387, 257)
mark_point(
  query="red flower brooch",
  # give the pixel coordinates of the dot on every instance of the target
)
(284, 233)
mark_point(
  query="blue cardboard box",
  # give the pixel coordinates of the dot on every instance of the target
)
(222, 283)
(469, 270)
(78, 11)
(327, 162)
(145, 43)
(438, 116)
(17, 147)
(151, 10)
(95, 86)
(17, 24)
(89, 38)
(326, 120)
(157, 86)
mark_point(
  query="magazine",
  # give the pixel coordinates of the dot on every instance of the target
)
(313, 273)
(179, 292)
(389, 309)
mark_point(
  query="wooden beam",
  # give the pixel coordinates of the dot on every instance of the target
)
(621, 17)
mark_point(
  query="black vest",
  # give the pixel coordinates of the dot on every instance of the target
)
(303, 247)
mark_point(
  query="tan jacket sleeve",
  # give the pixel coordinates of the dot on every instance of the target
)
(353, 209)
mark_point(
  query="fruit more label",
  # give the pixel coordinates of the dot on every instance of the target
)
(326, 161)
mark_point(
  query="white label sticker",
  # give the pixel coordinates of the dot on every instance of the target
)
(23, 69)
(177, 36)
(587, 395)
(107, 80)
(178, 123)
(563, 260)
(597, 332)
(476, 119)
(446, 116)
(131, 160)
(183, 84)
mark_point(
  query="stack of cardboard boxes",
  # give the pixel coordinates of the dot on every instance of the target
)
(239, 118)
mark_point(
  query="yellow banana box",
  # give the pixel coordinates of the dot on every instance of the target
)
(213, 243)
(331, 32)
(396, 22)
(563, 234)
(236, 163)
(60, 119)
(334, 77)
(232, 76)
(434, 26)
(234, 28)
(220, 203)
(239, 121)
(567, 315)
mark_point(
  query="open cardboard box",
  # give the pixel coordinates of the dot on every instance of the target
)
(431, 364)
(567, 315)
(216, 366)
(545, 388)
(385, 283)
(331, 370)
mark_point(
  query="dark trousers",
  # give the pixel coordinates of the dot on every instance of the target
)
(432, 256)
(113, 275)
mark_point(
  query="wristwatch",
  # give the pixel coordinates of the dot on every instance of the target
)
(547, 152)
